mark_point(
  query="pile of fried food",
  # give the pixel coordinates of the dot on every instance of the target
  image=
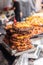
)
(18, 41)
(18, 35)
(35, 20)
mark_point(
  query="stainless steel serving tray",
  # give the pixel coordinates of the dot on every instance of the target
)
(14, 52)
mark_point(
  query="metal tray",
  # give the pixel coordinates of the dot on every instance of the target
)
(37, 36)
(32, 53)
(14, 52)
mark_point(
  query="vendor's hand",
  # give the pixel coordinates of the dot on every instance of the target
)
(21, 14)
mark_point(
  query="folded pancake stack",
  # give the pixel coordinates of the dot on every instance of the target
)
(18, 42)
(21, 42)
(19, 36)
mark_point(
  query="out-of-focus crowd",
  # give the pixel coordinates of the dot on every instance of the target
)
(21, 8)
